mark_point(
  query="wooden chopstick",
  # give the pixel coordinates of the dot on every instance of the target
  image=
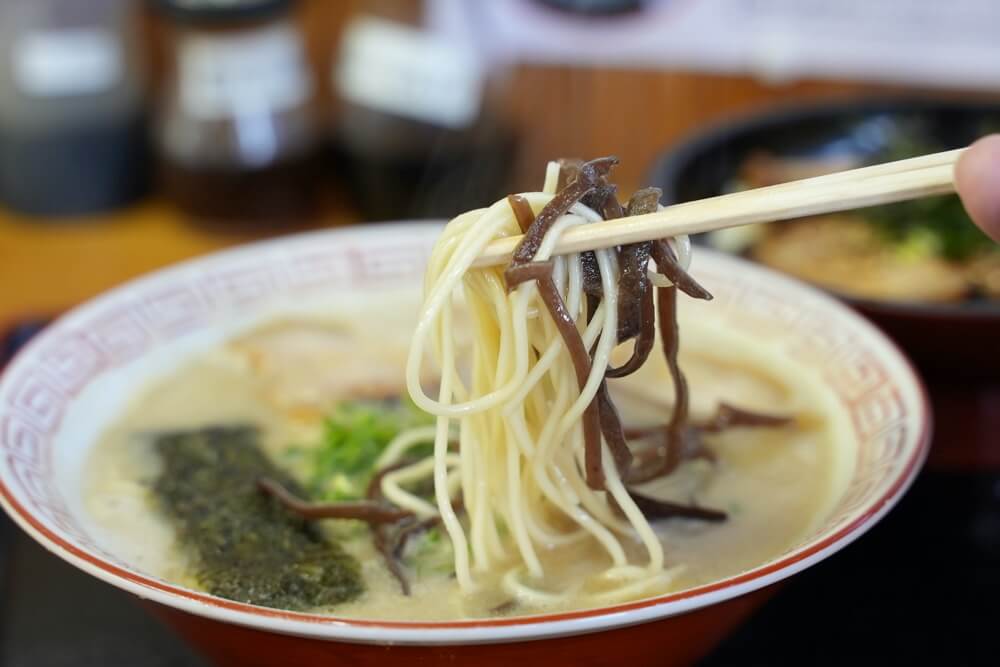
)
(855, 188)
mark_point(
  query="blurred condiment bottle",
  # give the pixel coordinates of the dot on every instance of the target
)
(72, 131)
(237, 127)
(419, 131)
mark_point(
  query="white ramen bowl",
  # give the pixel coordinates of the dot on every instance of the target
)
(74, 378)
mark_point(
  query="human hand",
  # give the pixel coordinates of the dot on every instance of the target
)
(977, 179)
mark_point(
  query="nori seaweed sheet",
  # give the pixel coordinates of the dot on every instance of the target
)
(243, 545)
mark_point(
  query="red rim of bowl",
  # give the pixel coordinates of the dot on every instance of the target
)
(839, 539)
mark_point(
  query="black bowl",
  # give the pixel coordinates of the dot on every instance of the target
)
(947, 340)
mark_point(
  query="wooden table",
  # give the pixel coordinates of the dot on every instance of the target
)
(48, 265)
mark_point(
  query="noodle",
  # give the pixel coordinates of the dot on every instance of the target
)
(542, 460)
(535, 392)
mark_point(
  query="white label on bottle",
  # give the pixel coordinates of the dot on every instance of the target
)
(81, 61)
(396, 69)
(224, 77)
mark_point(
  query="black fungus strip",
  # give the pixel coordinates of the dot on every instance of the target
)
(373, 491)
(727, 416)
(411, 529)
(590, 177)
(363, 510)
(381, 536)
(633, 287)
(653, 462)
(614, 434)
(522, 211)
(637, 314)
(392, 545)
(653, 509)
(601, 198)
(384, 545)
(569, 171)
(639, 432)
(670, 341)
(591, 274)
(414, 528)
(659, 460)
(666, 264)
(663, 458)
(680, 442)
(646, 200)
(523, 273)
(636, 311)
(675, 439)
(504, 607)
(645, 338)
(541, 273)
(612, 208)
(592, 303)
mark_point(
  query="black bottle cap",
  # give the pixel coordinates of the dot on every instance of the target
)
(207, 11)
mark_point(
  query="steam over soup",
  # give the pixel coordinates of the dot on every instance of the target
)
(510, 444)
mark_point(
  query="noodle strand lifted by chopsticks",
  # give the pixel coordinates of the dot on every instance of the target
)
(542, 460)
(520, 449)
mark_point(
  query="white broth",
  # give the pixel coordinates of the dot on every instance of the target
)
(776, 484)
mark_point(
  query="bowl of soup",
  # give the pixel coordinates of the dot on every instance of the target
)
(921, 269)
(130, 427)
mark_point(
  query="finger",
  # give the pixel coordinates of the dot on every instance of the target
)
(977, 179)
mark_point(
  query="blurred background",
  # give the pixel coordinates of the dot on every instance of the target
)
(135, 134)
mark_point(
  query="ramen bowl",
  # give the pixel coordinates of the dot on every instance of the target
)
(72, 380)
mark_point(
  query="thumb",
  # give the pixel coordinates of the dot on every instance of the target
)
(977, 179)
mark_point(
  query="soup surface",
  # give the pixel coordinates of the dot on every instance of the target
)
(775, 484)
